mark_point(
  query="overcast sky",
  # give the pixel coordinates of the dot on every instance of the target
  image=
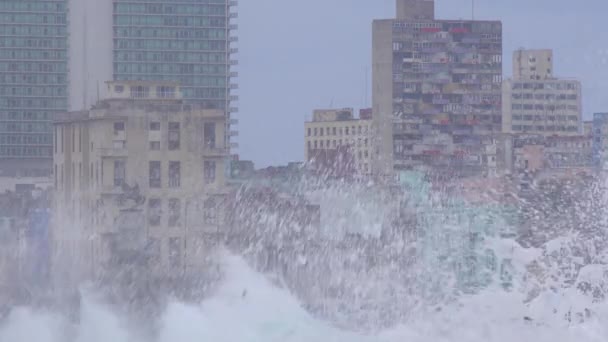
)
(295, 56)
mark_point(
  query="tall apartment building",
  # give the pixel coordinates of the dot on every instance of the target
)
(336, 139)
(536, 102)
(141, 171)
(33, 83)
(436, 89)
(56, 55)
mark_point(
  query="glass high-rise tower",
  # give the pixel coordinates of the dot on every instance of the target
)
(56, 55)
(188, 42)
(33, 82)
(175, 41)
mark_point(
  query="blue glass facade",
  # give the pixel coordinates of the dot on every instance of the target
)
(33, 79)
(185, 41)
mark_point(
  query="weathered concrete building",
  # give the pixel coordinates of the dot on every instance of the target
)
(142, 172)
(336, 140)
(436, 89)
(536, 102)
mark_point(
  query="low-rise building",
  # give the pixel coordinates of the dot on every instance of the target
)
(141, 172)
(551, 156)
(337, 140)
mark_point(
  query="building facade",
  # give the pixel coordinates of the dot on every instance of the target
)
(600, 140)
(140, 172)
(535, 102)
(436, 88)
(33, 83)
(189, 42)
(554, 156)
(336, 139)
(56, 55)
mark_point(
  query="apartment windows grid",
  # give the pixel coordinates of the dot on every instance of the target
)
(185, 42)
(120, 170)
(174, 136)
(155, 179)
(209, 135)
(174, 174)
(209, 168)
(33, 48)
(174, 212)
(154, 211)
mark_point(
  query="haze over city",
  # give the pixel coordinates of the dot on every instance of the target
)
(296, 171)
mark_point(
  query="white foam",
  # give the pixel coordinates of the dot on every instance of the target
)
(249, 308)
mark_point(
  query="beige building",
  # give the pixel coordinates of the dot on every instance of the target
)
(333, 130)
(587, 128)
(535, 102)
(141, 171)
(532, 64)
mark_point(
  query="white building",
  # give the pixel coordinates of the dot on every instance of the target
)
(536, 102)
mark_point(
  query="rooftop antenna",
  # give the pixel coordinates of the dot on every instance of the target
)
(366, 84)
(472, 9)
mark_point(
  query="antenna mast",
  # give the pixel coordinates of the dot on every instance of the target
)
(472, 9)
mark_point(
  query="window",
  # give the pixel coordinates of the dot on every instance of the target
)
(209, 134)
(210, 212)
(155, 145)
(154, 211)
(174, 136)
(165, 92)
(120, 172)
(175, 251)
(119, 127)
(334, 131)
(209, 172)
(153, 250)
(174, 174)
(155, 126)
(155, 174)
(309, 131)
(174, 212)
(140, 92)
(346, 131)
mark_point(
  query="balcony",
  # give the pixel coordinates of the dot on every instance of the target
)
(113, 152)
(215, 152)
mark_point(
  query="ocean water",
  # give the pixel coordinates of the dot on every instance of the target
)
(556, 292)
(249, 308)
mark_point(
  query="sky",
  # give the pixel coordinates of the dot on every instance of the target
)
(295, 56)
